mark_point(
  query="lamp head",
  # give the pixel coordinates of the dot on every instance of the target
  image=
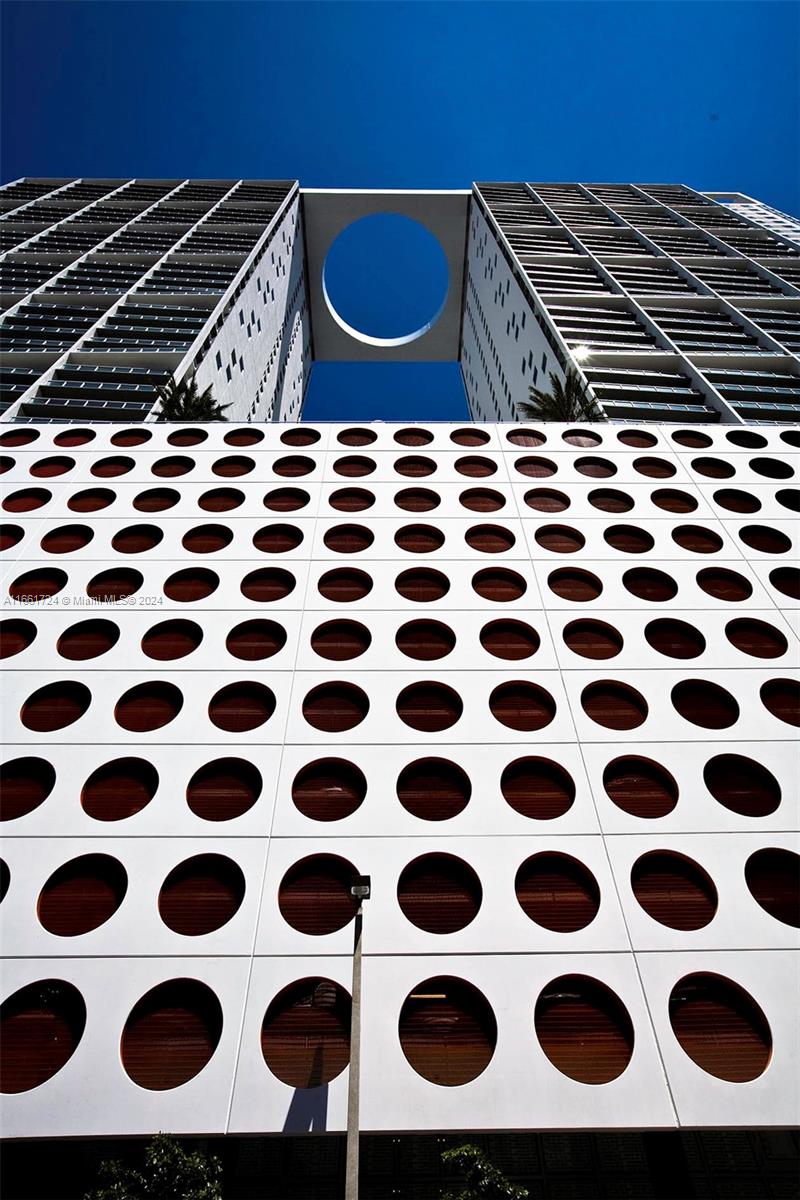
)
(361, 887)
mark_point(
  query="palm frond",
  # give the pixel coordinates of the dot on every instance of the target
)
(567, 400)
(183, 401)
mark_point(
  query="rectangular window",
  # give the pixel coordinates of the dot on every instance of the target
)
(544, 362)
(241, 316)
(218, 361)
(228, 373)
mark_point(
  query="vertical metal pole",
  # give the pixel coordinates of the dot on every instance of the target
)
(351, 1177)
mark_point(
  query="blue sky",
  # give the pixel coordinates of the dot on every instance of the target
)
(405, 95)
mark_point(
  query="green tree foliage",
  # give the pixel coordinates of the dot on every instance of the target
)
(480, 1180)
(169, 1173)
(567, 401)
(185, 402)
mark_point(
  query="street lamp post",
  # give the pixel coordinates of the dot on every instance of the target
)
(361, 892)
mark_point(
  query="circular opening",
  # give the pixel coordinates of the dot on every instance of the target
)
(243, 437)
(305, 1035)
(414, 466)
(557, 892)
(137, 539)
(781, 697)
(470, 437)
(595, 468)
(233, 466)
(82, 895)
(705, 704)
(207, 539)
(5, 879)
(433, 789)
(48, 468)
(637, 438)
(110, 468)
(170, 1034)
(789, 498)
(7, 463)
(253, 641)
(697, 539)
(300, 437)
(187, 437)
(560, 539)
(201, 894)
(582, 438)
(447, 1031)
(610, 500)
(172, 639)
(348, 539)
(38, 585)
(746, 438)
(419, 539)
(765, 539)
(277, 539)
(18, 437)
(285, 499)
(526, 437)
(41, 1026)
(385, 279)
(241, 706)
(640, 787)
(16, 636)
(355, 466)
(329, 789)
(723, 584)
(773, 877)
(345, 586)
(87, 639)
(547, 500)
(713, 468)
(55, 706)
(629, 539)
(787, 581)
(195, 583)
(148, 706)
(499, 585)
(172, 467)
(93, 500)
(224, 789)
(339, 641)
(475, 467)
(614, 705)
(771, 468)
(720, 1027)
(511, 640)
(429, 707)
(593, 639)
(735, 500)
(757, 638)
(439, 893)
(522, 706)
(692, 439)
(413, 437)
(535, 468)
(267, 585)
(351, 500)
(742, 785)
(676, 639)
(335, 707)
(294, 466)
(156, 500)
(25, 783)
(10, 536)
(674, 890)
(314, 895)
(422, 585)
(537, 788)
(674, 501)
(425, 640)
(417, 500)
(584, 1029)
(575, 585)
(654, 468)
(220, 500)
(131, 437)
(119, 789)
(648, 584)
(27, 500)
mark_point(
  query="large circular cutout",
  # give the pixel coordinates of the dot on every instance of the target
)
(429, 707)
(640, 787)
(742, 785)
(340, 641)
(614, 705)
(201, 894)
(439, 893)
(720, 1026)
(705, 704)
(25, 783)
(305, 1035)
(385, 279)
(557, 892)
(329, 789)
(119, 789)
(314, 895)
(447, 1031)
(241, 706)
(148, 706)
(41, 1026)
(55, 706)
(82, 895)
(335, 707)
(773, 877)
(537, 788)
(224, 789)
(674, 890)
(584, 1029)
(87, 639)
(425, 640)
(433, 789)
(171, 1034)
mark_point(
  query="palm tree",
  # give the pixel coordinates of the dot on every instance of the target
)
(567, 401)
(185, 402)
